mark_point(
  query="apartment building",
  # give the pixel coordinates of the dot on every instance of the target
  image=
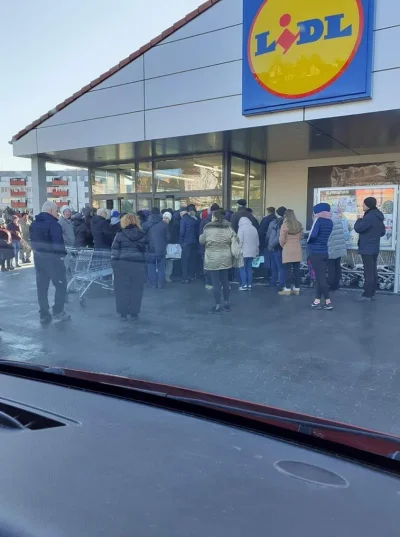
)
(65, 187)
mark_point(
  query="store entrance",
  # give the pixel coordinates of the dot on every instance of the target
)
(132, 203)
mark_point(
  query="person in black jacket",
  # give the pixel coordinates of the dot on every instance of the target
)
(103, 234)
(371, 229)
(242, 211)
(128, 263)
(158, 235)
(80, 230)
(262, 233)
(48, 245)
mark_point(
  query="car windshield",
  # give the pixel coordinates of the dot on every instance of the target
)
(164, 226)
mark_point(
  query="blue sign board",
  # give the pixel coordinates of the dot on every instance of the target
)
(306, 53)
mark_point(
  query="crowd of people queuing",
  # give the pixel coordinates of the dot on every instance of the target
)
(215, 245)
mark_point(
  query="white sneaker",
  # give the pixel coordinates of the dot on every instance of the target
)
(244, 288)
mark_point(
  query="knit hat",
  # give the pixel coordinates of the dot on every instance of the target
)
(65, 208)
(214, 207)
(242, 203)
(115, 214)
(167, 215)
(370, 203)
(183, 210)
(281, 211)
(322, 208)
(2, 221)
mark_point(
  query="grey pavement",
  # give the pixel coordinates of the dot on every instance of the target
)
(342, 365)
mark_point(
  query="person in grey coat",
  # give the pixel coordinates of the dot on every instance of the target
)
(337, 248)
(65, 222)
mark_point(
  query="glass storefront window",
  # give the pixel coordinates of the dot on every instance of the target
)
(127, 183)
(144, 177)
(104, 182)
(238, 180)
(128, 206)
(256, 188)
(189, 174)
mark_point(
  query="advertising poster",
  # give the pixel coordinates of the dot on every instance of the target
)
(347, 203)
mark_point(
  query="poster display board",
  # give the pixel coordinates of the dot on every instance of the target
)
(347, 203)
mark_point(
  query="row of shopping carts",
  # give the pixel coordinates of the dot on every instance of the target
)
(353, 270)
(86, 267)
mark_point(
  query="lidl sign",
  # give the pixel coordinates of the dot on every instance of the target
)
(306, 53)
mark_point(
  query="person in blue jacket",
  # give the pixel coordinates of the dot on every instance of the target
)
(47, 242)
(371, 229)
(189, 241)
(318, 251)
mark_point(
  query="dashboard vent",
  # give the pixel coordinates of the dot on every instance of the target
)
(16, 418)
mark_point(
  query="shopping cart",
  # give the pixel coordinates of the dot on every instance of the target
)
(70, 266)
(92, 267)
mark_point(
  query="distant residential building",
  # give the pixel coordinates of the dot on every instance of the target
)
(65, 187)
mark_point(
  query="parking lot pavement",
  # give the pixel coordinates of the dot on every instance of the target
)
(342, 365)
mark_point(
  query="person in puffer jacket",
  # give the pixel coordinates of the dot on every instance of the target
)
(318, 251)
(337, 248)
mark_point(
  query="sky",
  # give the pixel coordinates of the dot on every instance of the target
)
(50, 49)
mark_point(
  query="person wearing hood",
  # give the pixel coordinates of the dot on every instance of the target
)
(128, 263)
(203, 222)
(275, 249)
(48, 246)
(242, 211)
(250, 243)
(158, 235)
(337, 248)
(80, 228)
(103, 235)
(371, 229)
(189, 241)
(319, 254)
(65, 222)
(217, 239)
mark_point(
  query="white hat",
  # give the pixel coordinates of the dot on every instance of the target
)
(2, 221)
(66, 207)
(167, 215)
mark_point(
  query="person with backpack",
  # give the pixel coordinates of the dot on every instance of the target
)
(289, 238)
(275, 250)
(262, 232)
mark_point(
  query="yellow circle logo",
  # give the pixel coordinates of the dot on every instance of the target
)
(298, 48)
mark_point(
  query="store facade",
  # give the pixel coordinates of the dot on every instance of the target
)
(270, 101)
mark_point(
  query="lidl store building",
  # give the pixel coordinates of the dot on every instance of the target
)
(280, 102)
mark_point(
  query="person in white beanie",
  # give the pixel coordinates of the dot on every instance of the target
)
(169, 264)
(67, 227)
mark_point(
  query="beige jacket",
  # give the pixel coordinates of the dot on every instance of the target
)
(217, 239)
(291, 246)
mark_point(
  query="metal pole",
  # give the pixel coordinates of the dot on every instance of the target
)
(397, 243)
